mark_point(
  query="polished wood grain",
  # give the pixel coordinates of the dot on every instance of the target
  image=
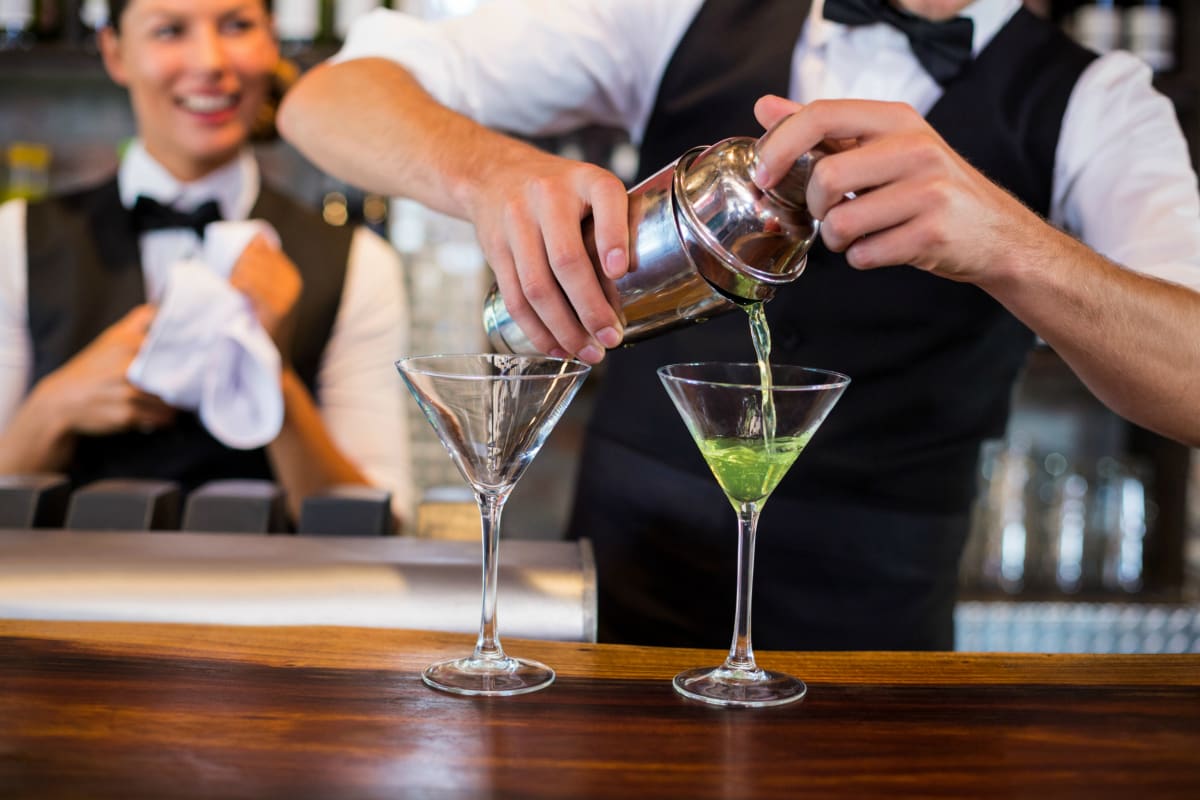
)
(136, 710)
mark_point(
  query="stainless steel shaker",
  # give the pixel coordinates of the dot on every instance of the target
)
(703, 238)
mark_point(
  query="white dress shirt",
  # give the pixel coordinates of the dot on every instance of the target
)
(1123, 180)
(358, 392)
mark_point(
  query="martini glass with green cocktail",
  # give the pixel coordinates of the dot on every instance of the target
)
(750, 427)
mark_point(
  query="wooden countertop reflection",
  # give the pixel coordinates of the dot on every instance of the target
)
(135, 710)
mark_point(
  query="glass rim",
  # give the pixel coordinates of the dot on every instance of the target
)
(834, 380)
(569, 366)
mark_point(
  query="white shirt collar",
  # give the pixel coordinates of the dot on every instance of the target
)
(987, 16)
(234, 186)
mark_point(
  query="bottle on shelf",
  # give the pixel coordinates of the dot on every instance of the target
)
(48, 20)
(375, 213)
(1000, 540)
(297, 24)
(1098, 26)
(93, 15)
(1150, 34)
(335, 207)
(1123, 519)
(16, 24)
(28, 171)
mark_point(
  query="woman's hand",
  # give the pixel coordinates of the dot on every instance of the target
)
(90, 393)
(272, 283)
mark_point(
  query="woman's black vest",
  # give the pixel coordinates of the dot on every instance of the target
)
(932, 361)
(85, 274)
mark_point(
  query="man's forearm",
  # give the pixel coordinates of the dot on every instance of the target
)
(370, 123)
(1133, 340)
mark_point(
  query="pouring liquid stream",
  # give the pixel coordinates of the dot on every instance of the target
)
(760, 335)
(750, 464)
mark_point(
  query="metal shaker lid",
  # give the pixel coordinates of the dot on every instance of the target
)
(759, 237)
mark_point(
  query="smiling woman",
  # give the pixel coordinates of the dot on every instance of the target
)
(197, 74)
(100, 278)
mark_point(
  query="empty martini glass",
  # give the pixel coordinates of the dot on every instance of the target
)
(492, 413)
(728, 410)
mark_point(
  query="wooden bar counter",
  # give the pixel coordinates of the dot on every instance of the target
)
(138, 710)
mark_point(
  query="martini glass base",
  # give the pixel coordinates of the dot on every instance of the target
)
(488, 677)
(721, 686)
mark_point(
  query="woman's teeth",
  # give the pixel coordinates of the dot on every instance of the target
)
(207, 104)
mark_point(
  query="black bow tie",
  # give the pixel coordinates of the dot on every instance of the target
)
(151, 215)
(943, 48)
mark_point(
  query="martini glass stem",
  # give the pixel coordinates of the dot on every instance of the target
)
(491, 505)
(741, 652)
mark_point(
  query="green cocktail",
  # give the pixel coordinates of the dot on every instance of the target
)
(750, 469)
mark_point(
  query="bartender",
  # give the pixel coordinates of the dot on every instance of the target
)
(1009, 184)
(82, 278)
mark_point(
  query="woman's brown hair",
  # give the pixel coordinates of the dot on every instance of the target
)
(117, 7)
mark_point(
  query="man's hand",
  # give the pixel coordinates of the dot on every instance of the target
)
(90, 393)
(915, 202)
(527, 212)
(526, 205)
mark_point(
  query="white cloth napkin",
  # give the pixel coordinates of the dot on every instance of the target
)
(224, 242)
(206, 350)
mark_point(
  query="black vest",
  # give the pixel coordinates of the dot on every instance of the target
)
(85, 274)
(932, 361)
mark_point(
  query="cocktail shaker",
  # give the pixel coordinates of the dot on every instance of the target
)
(703, 239)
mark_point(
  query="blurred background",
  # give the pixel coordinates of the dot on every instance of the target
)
(1086, 536)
